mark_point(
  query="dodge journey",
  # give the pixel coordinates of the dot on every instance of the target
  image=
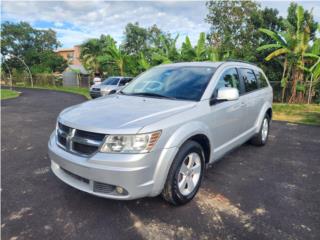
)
(158, 133)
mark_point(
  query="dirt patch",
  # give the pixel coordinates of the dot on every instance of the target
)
(214, 205)
(157, 230)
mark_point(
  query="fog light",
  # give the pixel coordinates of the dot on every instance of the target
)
(119, 190)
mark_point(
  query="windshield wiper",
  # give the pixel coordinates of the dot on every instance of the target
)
(123, 93)
(147, 94)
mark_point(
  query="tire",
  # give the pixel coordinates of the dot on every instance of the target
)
(261, 138)
(177, 174)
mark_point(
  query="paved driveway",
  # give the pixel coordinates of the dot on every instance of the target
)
(271, 192)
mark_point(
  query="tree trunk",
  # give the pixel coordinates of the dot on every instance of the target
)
(283, 77)
(310, 90)
(292, 99)
(121, 68)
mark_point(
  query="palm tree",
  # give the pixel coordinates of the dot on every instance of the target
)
(118, 57)
(90, 51)
(93, 54)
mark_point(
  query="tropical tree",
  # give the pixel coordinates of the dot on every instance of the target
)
(93, 53)
(292, 47)
(314, 69)
(187, 51)
(233, 27)
(201, 48)
(143, 62)
(20, 41)
(167, 52)
(118, 56)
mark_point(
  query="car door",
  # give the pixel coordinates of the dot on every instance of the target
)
(227, 117)
(252, 97)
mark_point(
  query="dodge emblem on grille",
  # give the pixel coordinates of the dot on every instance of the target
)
(69, 137)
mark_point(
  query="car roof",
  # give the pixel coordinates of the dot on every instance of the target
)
(192, 64)
(211, 64)
(117, 77)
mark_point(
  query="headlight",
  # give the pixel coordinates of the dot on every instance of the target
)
(140, 143)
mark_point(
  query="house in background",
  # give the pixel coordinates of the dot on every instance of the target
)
(75, 74)
(72, 55)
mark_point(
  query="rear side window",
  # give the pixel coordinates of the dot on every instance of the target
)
(249, 80)
(122, 82)
(229, 78)
(262, 81)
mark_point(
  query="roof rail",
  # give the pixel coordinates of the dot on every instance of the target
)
(242, 61)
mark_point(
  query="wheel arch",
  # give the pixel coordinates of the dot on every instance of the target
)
(204, 141)
(196, 131)
(266, 109)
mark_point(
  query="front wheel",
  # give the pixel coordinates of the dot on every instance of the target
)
(261, 138)
(185, 175)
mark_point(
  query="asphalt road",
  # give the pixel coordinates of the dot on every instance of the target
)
(271, 192)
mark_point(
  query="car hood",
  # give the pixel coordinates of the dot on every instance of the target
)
(120, 114)
(108, 87)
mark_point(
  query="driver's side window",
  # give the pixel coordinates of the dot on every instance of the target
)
(229, 78)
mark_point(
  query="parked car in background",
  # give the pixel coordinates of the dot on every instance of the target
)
(108, 86)
(96, 80)
(157, 134)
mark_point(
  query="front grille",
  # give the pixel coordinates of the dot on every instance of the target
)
(78, 141)
(63, 127)
(90, 135)
(82, 179)
(62, 140)
(84, 149)
(95, 89)
(103, 187)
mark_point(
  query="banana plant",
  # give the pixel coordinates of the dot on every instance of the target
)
(143, 62)
(292, 46)
(200, 48)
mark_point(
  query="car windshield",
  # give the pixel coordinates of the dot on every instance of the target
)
(183, 83)
(111, 81)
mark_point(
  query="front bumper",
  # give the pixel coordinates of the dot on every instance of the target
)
(95, 94)
(140, 175)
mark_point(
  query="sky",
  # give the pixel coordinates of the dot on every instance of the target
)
(76, 21)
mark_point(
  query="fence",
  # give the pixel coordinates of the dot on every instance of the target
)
(39, 79)
(277, 91)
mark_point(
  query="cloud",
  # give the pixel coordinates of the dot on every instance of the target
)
(76, 21)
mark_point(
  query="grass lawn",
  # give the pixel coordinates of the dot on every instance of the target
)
(297, 113)
(6, 94)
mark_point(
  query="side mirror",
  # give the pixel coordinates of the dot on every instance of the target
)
(226, 94)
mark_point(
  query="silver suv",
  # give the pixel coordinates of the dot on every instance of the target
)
(108, 86)
(157, 135)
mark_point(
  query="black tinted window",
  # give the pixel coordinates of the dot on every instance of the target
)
(249, 80)
(111, 81)
(262, 81)
(229, 78)
(122, 82)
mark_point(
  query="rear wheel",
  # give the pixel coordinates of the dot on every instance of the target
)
(185, 175)
(261, 138)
